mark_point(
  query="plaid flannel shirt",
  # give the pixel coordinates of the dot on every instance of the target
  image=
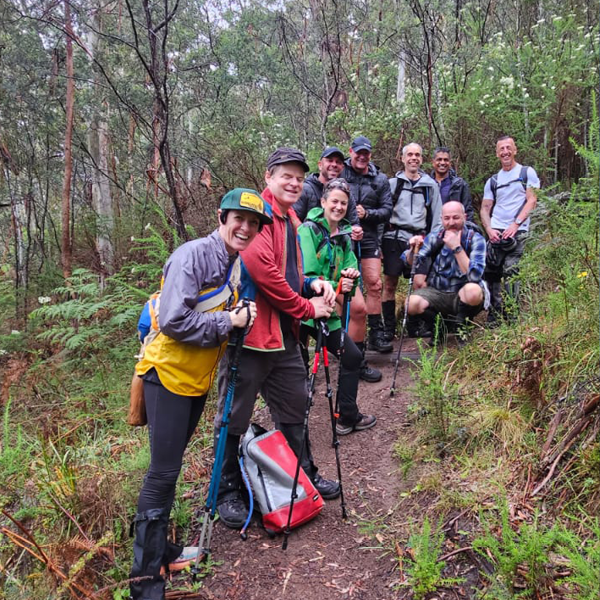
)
(445, 274)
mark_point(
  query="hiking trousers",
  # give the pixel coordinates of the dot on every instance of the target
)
(279, 376)
(350, 366)
(172, 420)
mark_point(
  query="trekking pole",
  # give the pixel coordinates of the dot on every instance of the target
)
(309, 402)
(335, 413)
(358, 253)
(404, 318)
(210, 508)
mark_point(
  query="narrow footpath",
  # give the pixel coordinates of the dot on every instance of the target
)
(328, 558)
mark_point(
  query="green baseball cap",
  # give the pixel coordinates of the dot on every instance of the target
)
(250, 200)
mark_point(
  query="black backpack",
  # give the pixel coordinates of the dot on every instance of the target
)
(495, 187)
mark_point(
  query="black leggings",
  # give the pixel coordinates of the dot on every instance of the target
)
(350, 370)
(172, 420)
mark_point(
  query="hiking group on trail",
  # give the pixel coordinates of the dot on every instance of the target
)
(288, 264)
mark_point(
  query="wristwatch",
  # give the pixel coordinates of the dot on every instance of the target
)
(519, 222)
(457, 250)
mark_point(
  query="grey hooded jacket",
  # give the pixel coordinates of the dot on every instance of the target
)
(418, 208)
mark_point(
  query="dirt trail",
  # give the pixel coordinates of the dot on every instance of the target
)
(328, 558)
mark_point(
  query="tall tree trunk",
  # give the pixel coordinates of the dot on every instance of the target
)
(98, 146)
(401, 85)
(18, 218)
(158, 69)
(66, 192)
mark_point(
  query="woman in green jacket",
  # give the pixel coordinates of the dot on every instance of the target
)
(327, 254)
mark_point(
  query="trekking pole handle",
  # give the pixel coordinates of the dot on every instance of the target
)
(245, 304)
(415, 251)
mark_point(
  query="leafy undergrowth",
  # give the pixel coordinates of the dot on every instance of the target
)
(70, 466)
(503, 448)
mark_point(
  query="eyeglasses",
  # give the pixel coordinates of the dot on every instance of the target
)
(338, 184)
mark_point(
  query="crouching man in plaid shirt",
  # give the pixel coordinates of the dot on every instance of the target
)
(449, 273)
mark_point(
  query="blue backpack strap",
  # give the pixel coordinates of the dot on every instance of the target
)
(248, 287)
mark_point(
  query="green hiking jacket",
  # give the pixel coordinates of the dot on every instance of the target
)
(325, 256)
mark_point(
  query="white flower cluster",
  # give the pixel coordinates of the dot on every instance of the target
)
(509, 82)
(44, 299)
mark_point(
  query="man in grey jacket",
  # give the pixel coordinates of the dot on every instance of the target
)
(416, 211)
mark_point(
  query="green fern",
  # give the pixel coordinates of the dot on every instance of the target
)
(528, 547)
(425, 570)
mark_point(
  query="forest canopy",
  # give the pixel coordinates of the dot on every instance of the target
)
(118, 114)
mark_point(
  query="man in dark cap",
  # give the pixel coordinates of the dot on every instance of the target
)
(370, 190)
(271, 361)
(330, 165)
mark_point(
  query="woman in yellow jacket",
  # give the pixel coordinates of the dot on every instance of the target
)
(196, 314)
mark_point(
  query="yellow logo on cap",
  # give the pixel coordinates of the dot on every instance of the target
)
(252, 201)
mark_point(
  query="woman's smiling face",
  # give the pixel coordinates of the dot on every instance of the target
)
(239, 229)
(335, 206)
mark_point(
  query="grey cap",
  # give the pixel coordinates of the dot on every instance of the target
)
(284, 155)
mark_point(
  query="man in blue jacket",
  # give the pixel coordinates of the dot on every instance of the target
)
(452, 187)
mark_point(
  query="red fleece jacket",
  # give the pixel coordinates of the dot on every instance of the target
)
(265, 260)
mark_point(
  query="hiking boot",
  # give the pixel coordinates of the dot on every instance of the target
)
(388, 309)
(364, 422)
(327, 488)
(492, 321)
(376, 339)
(185, 559)
(230, 504)
(462, 337)
(232, 510)
(368, 373)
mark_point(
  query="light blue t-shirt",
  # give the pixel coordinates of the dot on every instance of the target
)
(510, 199)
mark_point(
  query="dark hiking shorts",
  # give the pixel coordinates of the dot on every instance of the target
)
(393, 265)
(369, 247)
(445, 303)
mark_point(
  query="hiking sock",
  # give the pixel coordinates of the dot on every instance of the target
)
(388, 309)
(367, 373)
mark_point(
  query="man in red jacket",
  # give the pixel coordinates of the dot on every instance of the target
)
(271, 362)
